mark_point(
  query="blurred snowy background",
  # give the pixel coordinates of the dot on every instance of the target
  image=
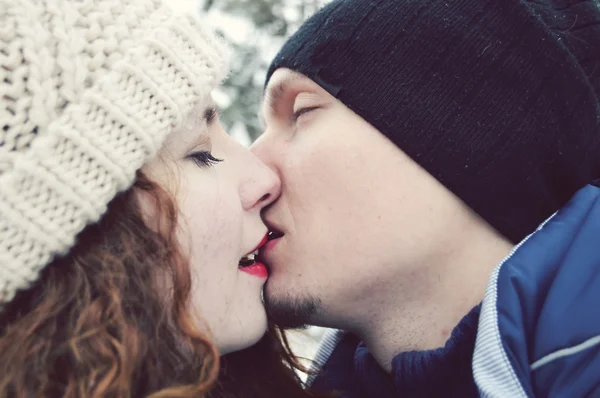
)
(255, 30)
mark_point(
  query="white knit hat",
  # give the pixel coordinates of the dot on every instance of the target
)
(89, 91)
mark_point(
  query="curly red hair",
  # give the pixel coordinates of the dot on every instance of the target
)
(95, 324)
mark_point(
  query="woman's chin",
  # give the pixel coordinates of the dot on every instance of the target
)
(248, 334)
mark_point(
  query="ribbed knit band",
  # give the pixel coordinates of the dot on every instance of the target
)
(498, 100)
(89, 91)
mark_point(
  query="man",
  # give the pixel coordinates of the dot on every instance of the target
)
(417, 143)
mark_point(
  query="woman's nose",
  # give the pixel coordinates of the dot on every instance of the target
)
(262, 186)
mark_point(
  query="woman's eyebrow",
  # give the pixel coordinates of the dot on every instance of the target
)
(194, 130)
(205, 117)
(210, 115)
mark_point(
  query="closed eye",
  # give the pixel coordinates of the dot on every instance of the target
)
(303, 111)
(204, 158)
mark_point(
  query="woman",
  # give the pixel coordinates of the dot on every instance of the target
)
(128, 217)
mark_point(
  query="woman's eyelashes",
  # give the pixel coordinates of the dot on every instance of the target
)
(204, 158)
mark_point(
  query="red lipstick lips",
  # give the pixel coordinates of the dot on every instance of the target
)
(257, 269)
(249, 265)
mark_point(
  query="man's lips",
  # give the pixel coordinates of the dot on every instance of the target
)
(260, 244)
(271, 244)
(266, 250)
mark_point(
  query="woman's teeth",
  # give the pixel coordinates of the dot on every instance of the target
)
(248, 259)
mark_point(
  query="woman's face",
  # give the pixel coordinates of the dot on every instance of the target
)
(219, 188)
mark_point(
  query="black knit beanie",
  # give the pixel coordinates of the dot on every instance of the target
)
(497, 99)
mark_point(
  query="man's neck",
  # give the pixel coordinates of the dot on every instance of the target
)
(454, 286)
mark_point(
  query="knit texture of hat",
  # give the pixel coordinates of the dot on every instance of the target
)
(497, 99)
(89, 91)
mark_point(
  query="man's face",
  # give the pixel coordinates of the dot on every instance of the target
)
(354, 210)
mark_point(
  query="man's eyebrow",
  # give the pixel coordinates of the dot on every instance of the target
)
(273, 94)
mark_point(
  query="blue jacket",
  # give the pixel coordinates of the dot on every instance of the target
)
(539, 329)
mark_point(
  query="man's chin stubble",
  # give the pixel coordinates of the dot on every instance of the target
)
(291, 313)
